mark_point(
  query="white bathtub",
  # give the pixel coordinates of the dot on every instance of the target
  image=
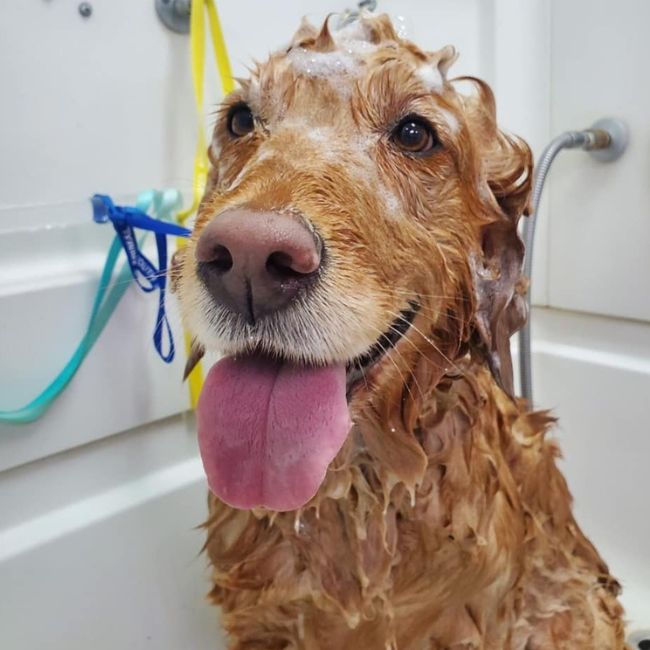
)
(98, 547)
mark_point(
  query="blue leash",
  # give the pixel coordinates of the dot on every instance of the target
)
(164, 205)
(145, 273)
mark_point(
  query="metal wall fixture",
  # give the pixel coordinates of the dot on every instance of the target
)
(606, 141)
(350, 15)
(174, 14)
(85, 9)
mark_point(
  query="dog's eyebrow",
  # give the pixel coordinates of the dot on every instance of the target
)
(226, 104)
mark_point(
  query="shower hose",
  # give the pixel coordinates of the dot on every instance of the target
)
(589, 140)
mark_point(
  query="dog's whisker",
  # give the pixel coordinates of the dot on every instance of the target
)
(416, 349)
(438, 350)
(408, 340)
(440, 296)
(430, 342)
(386, 354)
(436, 314)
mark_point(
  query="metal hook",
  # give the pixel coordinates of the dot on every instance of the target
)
(175, 14)
(350, 15)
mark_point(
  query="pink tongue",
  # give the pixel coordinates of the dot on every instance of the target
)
(268, 430)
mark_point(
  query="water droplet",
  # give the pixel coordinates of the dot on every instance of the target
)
(402, 26)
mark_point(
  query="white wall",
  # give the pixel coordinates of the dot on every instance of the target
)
(592, 339)
(99, 499)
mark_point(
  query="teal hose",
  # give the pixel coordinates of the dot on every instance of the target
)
(164, 205)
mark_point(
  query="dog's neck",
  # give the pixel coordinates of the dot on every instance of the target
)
(424, 467)
(401, 426)
(425, 510)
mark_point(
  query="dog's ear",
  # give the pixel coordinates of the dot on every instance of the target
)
(504, 169)
(499, 291)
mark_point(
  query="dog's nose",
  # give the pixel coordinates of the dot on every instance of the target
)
(255, 262)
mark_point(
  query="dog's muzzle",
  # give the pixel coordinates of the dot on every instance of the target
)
(257, 262)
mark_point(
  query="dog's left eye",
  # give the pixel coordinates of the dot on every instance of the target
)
(415, 135)
(240, 120)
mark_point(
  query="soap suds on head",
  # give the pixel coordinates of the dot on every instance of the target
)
(321, 135)
(353, 31)
(322, 64)
(430, 76)
(353, 45)
(353, 39)
(401, 25)
(262, 154)
(254, 92)
(324, 138)
(332, 144)
(391, 201)
(450, 120)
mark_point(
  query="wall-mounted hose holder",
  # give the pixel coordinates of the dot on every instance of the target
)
(618, 136)
(174, 14)
(606, 141)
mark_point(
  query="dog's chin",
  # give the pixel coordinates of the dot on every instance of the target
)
(269, 427)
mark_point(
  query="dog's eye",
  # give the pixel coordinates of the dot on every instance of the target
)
(240, 120)
(415, 135)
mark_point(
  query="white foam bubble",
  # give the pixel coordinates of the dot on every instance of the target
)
(352, 47)
(402, 25)
(254, 91)
(322, 64)
(353, 31)
(262, 154)
(430, 76)
(391, 201)
(450, 119)
(321, 135)
(353, 40)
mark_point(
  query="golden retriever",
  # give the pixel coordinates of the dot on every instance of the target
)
(374, 482)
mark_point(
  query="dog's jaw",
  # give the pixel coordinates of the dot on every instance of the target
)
(269, 427)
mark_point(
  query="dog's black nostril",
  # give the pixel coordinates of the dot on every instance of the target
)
(644, 644)
(280, 267)
(222, 260)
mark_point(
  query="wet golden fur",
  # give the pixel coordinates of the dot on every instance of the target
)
(444, 522)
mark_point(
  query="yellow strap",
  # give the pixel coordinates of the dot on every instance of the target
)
(219, 45)
(201, 163)
(197, 45)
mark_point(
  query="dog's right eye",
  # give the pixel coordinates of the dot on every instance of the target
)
(240, 120)
(415, 135)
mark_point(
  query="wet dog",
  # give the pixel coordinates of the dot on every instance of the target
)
(374, 482)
